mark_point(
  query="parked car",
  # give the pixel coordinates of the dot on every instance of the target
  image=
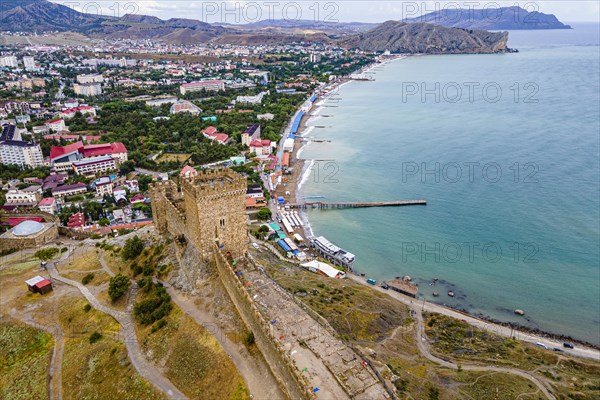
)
(542, 345)
(371, 281)
(557, 349)
(568, 345)
(385, 286)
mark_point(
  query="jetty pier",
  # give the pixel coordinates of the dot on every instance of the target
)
(347, 204)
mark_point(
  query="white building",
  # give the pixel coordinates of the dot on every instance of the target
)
(94, 78)
(15, 151)
(257, 99)
(29, 63)
(9, 61)
(94, 165)
(27, 197)
(104, 186)
(48, 205)
(212, 85)
(56, 125)
(88, 89)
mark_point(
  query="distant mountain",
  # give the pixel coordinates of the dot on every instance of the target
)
(403, 37)
(505, 18)
(323, 26)
(42, 15)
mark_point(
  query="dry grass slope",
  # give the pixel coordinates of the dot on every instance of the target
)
(24, 356)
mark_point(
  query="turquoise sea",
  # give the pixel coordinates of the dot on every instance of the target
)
(505, 149)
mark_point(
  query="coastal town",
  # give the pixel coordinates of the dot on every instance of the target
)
(155, 239)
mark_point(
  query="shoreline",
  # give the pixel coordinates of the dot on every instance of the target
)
(302, 168)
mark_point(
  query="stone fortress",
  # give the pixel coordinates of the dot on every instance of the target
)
(209, 210)
(207, 220)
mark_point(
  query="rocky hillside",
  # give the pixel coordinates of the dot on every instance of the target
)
(511, 18)
(41, 15)
(403, 37)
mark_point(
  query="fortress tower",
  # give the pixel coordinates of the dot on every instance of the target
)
(210, 209)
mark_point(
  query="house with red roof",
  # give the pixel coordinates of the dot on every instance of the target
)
(211, 133)
(188, 171)
(76, 220)
(84, 110)
(62, 158)
(261, 147)
(138, 198)
(48, 205)
(56, 125)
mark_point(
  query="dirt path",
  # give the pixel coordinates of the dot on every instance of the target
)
(256, 373)
(423, 345)
(55, 368)
(143, 367)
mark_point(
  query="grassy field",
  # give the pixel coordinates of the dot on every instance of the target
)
(172, 157)
(193, 359)
(99, 370)
(24, 356)
(355, 311)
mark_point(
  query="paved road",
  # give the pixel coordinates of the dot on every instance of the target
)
(147, 370)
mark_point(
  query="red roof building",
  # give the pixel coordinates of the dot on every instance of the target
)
(76, 220)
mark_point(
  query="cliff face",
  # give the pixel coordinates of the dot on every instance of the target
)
(423, 38)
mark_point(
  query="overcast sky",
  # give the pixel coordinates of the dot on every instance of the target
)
(244, 11)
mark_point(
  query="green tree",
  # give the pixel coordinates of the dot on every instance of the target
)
(104, 222)
(117, 286)
(46, 254)
(264, 214)
(133, 248)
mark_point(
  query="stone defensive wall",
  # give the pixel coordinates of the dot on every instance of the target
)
(282, 365)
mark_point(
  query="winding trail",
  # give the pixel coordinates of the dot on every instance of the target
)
(423, 346)
(104, 264)
(148, 371)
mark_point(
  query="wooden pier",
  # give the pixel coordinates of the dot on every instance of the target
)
(346, 204)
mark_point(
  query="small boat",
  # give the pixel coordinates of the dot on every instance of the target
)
(435, 294)
(451, 293)
(519, 312)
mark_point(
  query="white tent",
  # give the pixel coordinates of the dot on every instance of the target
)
(325, 269)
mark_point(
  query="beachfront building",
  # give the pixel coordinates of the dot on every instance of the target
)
(261, 147)
(211, 86)
(324, 269)
(331, 252)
